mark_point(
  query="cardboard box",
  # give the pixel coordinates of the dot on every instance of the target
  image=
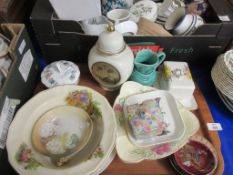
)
(15, 10)
(64, 39)
(19, 84)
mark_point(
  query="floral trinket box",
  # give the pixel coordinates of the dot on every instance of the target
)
(177, 79)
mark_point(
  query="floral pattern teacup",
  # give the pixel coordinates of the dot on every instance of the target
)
(108, 5)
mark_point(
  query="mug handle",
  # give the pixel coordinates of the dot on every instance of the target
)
(161, 57)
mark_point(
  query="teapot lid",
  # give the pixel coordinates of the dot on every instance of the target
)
(111, 41)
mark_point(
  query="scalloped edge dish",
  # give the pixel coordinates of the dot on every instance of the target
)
(130, 153)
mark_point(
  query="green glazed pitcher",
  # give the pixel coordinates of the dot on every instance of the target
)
(147, 61)
(145, 65)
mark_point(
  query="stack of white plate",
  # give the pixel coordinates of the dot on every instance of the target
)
(222, 76)
(92, 159)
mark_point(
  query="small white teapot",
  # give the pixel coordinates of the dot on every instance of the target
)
(110, 60)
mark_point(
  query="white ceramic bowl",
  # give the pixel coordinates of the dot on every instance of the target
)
(185, 25)
(118, 15)
(127, 28)
(94, 26)
(188, 25)
(168, 7)
(174, 18)
(61, 122)
(200, 22)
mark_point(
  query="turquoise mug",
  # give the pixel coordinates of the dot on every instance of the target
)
(147, 61)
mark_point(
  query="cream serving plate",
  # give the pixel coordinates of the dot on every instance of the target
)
(27, 161)
(130, 153)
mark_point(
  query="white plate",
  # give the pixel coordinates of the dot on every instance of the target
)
(106, 163)
(222, 77)
(228, 103)
(155, 116)
(27, 161)
(228, 59)
(130, 153)
(146, 9)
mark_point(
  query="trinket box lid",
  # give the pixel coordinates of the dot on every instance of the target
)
(60, 73)
(177, 79)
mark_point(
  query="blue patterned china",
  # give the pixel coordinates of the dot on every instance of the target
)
(108, 5)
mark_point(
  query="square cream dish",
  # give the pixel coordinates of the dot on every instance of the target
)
(152, 118)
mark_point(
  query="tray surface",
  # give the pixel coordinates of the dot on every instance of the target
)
(161, 166)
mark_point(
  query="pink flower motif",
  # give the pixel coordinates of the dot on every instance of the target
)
(118, 108)
(161, 149)
(161, 126)
(98, 149)
(25, 155)
(147, 128)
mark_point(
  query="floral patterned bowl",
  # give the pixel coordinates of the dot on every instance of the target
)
(62, 132)
(26, 160)
(130, 153)
(152, 118)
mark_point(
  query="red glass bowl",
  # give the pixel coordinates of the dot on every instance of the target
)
(197, 157)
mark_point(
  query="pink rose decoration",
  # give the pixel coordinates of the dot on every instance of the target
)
(161, 149)
(25, 155)
(118, 108)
